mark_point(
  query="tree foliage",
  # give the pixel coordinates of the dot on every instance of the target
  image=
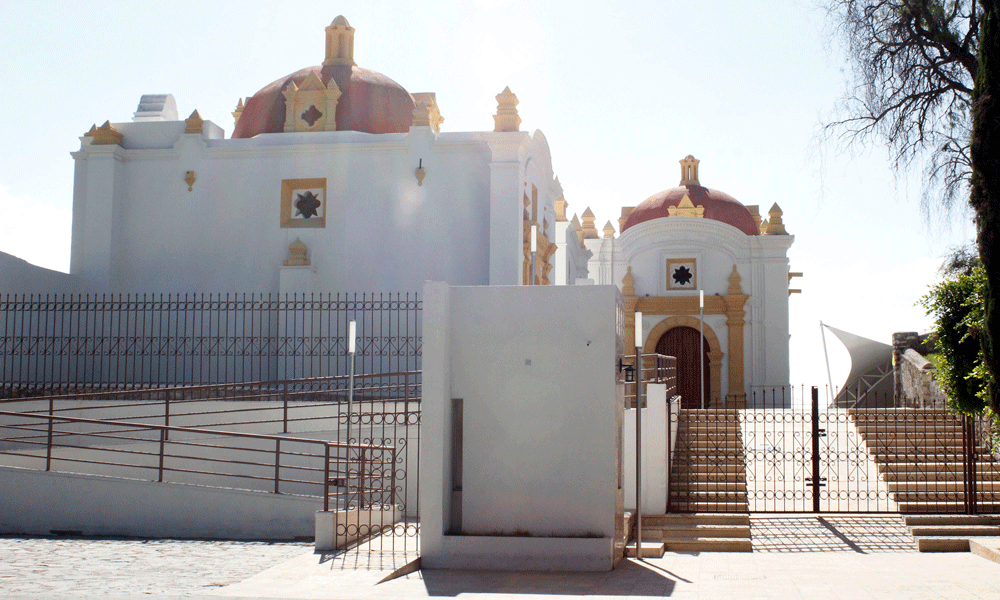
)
(957, 307)
(912, 65)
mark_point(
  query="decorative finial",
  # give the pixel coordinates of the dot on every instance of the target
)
(506, 118)
(735, 281)
(689, 170)
(560, 206)
(194, 123)
(107, 135)
(589, 229)
(189, 179)
(626, 211)
(755, 213)
(628, 283)
(434, 118)
(239, 111)
(775, 226)
(339, 43)
(609, 230)
(297, 254)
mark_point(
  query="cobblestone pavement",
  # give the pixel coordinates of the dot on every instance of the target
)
(42, 567)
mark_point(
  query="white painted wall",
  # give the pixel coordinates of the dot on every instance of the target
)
(95, 505)
(655, 460)
(137, 227)
(536, 370)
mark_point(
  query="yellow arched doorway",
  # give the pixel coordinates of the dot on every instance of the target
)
(681, 334)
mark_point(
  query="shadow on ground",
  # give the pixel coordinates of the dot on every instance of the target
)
(863, 534)
(629, 579)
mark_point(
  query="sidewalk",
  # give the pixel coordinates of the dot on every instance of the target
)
(813, 557)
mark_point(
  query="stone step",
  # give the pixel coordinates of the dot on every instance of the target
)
(983, 487)
(734, 476)
(939, 496)
(708, 544)
(649, 549)
(709, 506)
(961, 520)
(695, 518)
(939, 507)
(941, 544)
(955, 531)
(987, 547)
(696, 530)
(919, 458)
(708, 486)
(918, 470)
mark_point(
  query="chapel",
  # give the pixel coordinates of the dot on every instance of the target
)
(710, 277)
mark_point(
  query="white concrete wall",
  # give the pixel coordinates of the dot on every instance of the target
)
(536, 370)
(655, 461)
(93, 505)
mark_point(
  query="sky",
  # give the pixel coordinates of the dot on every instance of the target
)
(622, 92)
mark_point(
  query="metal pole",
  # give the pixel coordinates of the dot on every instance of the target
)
(534, 250)
(351, 334)
(826, 355)
(701, 344)
(638, 435)
(816, 433)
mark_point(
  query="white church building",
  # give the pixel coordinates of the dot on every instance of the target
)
(335, 178)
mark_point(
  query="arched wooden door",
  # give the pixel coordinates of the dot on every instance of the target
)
(682, 342)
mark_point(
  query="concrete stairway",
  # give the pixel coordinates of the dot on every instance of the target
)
(708, 473)
(697, 532)
(920, 456)
(951, 533)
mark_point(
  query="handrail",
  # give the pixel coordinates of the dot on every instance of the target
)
(368, 468)
(292, 396)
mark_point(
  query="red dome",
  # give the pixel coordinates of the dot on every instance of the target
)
(719, 206)
(369, 102)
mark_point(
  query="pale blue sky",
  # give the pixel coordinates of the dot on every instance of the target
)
(621, 91)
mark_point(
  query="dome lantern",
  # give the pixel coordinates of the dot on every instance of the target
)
(339, 43)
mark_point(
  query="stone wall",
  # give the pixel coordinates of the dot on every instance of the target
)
(919, 388)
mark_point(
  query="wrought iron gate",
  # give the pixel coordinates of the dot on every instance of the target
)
(773, 457)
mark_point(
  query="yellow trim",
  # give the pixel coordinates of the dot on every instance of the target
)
(682, 311)
(288, 187)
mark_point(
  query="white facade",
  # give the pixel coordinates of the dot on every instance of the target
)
(137, 227)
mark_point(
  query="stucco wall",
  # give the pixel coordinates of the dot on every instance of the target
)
(535, 368)
(94, 505)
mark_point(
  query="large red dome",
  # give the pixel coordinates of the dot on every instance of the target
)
(719, 206)
(369, 102)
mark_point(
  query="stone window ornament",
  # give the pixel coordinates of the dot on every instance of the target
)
(303, 202)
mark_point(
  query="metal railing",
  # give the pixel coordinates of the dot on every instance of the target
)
(656, 368)
(58, 343)
(262, 405)
(344, 472)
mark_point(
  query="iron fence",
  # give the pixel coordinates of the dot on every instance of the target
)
(778, 456)
(62, 343)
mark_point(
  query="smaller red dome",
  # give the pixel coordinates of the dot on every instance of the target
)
(719, 206)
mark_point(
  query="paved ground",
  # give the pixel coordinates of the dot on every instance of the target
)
(801, 556)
